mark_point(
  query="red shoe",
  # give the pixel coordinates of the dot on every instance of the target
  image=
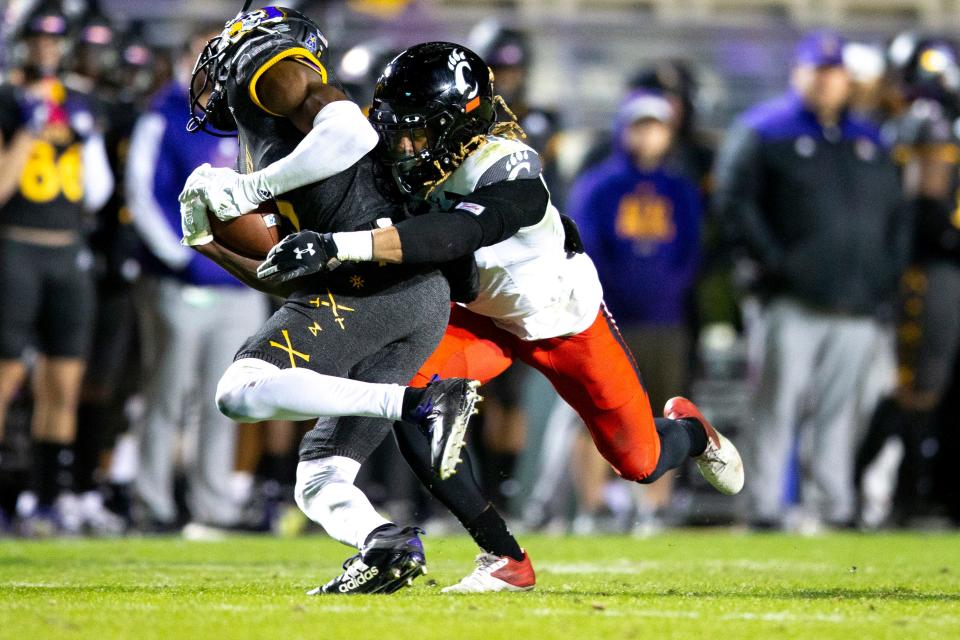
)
(720, 462)
(497, 573)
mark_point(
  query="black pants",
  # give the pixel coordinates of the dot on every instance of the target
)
(380, 337)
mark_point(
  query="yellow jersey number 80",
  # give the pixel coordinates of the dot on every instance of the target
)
(45, 176)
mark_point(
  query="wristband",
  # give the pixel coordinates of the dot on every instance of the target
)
(354, 246)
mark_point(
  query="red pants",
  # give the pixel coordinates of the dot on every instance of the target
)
(593, 371)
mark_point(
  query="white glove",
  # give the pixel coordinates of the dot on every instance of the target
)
(226, 193)
(193, 211)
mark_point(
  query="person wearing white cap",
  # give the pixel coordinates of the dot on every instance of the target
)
(641, 223)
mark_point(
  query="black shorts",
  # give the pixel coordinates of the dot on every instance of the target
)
(382, 336)
(47, 299)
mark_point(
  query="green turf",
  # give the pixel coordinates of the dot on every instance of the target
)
(713, 585)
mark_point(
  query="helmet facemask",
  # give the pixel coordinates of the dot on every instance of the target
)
(210, 74)
(422, 149)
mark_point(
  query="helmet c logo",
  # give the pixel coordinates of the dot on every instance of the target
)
(458, 64)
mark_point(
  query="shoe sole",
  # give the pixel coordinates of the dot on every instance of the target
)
(727, 491)
(508, 589)
(458, 433)
(719, 440)
(413, 567)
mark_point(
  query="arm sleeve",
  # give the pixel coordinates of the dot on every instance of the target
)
(485, 217)
(340, 136)
(11, 117)
(738, 179)
(934, 224)
(902, 235)
(148, 217)
(98, 180)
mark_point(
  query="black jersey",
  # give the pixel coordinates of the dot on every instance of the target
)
(50, 191)
(928, 128)
(344, 202)
(114, 241)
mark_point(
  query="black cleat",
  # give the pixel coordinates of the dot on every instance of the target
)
(387, 563)
(445, 412)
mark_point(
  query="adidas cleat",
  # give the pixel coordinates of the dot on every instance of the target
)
(389, 562)
(445, 413)
(496, 573)
(720, 462)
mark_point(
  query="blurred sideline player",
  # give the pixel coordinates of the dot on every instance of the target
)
(540, 301)
(928, 319)
(55, 172)
(339, 345)
(116, 75)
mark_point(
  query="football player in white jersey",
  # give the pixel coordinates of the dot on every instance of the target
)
(539, 299)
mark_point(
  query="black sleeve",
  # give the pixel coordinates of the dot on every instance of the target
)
(11, 118)
(935, 230)
(464, 278)
(485, 217)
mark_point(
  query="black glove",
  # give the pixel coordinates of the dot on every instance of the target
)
(299, 254)
(571, 235)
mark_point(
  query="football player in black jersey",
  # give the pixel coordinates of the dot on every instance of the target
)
(341, 345)
(928, 319)
(55, 172)
(482, 193)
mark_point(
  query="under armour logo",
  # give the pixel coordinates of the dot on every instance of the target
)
(457, 62)
(308, 251)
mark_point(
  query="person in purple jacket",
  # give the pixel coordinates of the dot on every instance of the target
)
(194, 316)
(641, 224)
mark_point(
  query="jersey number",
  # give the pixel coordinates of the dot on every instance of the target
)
(45, 176)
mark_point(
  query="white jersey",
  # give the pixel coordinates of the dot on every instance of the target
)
(528, 284)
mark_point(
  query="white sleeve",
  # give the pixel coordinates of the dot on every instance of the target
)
(148, 218)
(340, 136)
(98, 180)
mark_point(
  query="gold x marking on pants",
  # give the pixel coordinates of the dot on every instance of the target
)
(290, 350)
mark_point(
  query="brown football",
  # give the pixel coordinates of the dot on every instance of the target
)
(251, 235)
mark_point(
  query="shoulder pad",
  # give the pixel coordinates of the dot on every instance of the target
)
(502, 159)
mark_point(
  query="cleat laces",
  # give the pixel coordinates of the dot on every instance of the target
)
(477, 577)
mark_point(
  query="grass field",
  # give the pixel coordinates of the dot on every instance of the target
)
(678, 585)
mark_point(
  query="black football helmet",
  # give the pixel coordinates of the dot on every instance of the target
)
(46, 20)
(216, 62)
(926, 67)
(933, 72)
(499, 45)
(431, 100)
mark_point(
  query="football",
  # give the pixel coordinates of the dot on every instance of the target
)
(251, 235)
